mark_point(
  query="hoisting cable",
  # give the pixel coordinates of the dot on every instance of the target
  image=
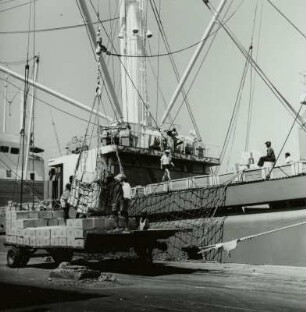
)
(93, 48)
(99, 50)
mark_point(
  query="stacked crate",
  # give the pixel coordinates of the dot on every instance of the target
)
(30, 227)
(49, 229)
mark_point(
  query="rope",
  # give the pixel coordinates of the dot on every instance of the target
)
(231, 245)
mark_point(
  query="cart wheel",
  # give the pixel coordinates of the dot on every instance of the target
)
(61, 255)
(17, 257)
(14, 257)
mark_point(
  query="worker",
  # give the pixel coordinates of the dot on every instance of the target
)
(64, 200)
(270, 157)
(115, 195)
(127, 198)
(174, 136)
(288, 159)
(165, 164)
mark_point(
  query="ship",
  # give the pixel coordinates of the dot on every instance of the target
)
(246, 202)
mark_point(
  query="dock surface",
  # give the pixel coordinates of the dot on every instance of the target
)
(167, 286)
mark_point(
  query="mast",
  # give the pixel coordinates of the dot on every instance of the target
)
(31, 109)
(133, 35)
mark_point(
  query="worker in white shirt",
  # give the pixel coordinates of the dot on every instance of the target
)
(165, 164)
(127, 198)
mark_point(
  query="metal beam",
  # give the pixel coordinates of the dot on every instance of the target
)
(54, 93)
(193, 60)
(92, 33)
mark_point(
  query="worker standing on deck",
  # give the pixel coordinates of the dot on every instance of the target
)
(165, 164)
(64, 200)
(127, 198)
(270, 155)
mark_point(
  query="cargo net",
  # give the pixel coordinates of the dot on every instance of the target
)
(192, 212)
(84, 195)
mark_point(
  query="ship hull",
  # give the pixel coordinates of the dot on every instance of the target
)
(285, 246)
(244, 209)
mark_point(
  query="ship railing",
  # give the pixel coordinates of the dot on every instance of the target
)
(278, 172)
(246, 175)
(154, 140)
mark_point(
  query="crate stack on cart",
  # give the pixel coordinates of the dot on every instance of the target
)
(30, 227)
(49, 229)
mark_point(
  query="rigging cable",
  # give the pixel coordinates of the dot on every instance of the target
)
(287, 137)
(26, 91)
(14, 32)
(167, 46)
(251, 93)
(214, 35)
(35, 62)
(55, 133)
(158, 49)
(17, 6)
(287, 19)
(48, 104)
(181, 49)
(13, 63)
(264, 77)
(235, 110)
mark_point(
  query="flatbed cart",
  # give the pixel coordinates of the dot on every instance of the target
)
(142, 241)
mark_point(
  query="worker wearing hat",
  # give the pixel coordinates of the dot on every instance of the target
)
(270, 157)
(165, 165)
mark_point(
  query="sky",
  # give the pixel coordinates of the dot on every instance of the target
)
(67, 65)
